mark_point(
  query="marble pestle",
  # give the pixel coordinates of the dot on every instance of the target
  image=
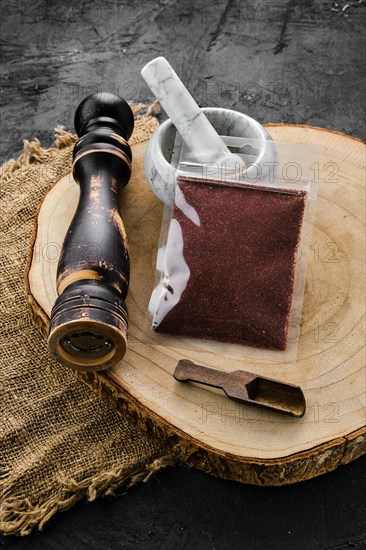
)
(194, 127)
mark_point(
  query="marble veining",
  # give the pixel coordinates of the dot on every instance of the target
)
(190, 121)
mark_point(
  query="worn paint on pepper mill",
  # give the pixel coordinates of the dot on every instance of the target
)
(89, 318)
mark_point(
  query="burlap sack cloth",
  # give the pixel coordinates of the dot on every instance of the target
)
(59, 441)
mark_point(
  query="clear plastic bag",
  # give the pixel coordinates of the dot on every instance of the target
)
(232, 257)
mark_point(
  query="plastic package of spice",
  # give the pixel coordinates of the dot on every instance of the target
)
(232, 256)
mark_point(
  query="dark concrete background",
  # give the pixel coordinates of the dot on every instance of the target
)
(279, 61)
(293, 61)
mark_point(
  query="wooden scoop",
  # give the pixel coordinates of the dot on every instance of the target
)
(246, 387)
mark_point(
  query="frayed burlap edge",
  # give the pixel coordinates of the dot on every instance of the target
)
(19, 517)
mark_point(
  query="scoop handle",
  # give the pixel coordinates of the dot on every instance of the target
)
(246, 387)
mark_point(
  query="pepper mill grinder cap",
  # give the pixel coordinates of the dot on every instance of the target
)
(89, 326)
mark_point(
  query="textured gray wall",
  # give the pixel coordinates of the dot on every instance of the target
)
(279, 61)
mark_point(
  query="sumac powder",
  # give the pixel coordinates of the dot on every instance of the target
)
(239, 247)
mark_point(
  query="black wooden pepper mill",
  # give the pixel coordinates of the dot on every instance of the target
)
(89, 317)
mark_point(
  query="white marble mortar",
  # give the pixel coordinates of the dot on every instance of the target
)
(159, 171)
